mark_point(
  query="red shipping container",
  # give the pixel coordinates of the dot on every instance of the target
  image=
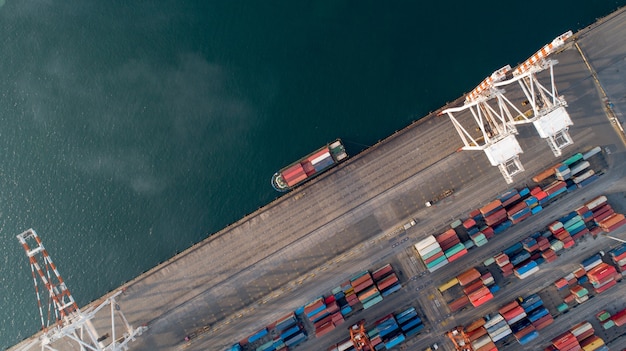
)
(615, 226)
(361, 279)
(477, 284)
(619, 318)
(387, 282)
(475, 213)
(578, 273)
(582, 209)
(488, 232)
(434, 257)
(324, 329)
(469, 223)
(541, 195)
(601, 209)
(541, 321)
(513, 313)
(458, 303)
(600, 272)
(516, 208)
(509, 306)
(489, 347)
(363, 286)
(490, 207)
(468, 276)
(585, 335)
(551, 258)
(476, 334)
(457, 255)
(475, 325)
(605, 287)
(501, 259)
(507, 273)
(568, 244)
(450, 233)
(511, 200)
(603, 217)
(450, 243)
(476, 302)
(496, 217)
(382, 272)
(507, 267)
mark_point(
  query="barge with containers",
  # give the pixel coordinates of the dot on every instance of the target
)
(309, 166)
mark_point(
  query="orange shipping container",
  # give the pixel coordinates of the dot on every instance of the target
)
(468, 276)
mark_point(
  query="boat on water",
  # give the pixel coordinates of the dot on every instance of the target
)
(309, 166)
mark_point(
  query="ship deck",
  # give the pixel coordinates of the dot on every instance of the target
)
(346, 220)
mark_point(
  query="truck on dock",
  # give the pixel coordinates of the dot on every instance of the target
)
(443, 195)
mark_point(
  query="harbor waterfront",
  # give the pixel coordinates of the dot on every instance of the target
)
(126, 168)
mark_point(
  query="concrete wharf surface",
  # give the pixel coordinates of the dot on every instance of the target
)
(310, 240)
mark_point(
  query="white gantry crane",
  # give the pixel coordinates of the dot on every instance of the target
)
(494, 122)
(64, 325)
(547, 112)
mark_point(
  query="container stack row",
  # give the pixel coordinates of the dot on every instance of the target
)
(618, 255)
(579, 337)
(284, 333)
(394, 329)
(575, 169)
(431, 253)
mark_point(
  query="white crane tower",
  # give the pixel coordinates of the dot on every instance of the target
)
(494, 123)
(65, 326)
(547, 112)
(496, 116)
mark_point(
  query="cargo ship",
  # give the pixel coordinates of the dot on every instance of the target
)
(309, 166)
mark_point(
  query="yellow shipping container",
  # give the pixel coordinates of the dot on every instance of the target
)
(448, 285)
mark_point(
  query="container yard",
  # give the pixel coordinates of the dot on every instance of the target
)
(496, 265)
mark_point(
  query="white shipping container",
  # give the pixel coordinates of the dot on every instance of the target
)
(581, 329)
(592, 264)
(517, 318)
(582, 299)
(598, 201)
(501, 334)
(430, 248)
(424, 243)
(528, 273)
(480, 342)
(580, 167)
(494, 320)
(320, 158)
(591, 152)
(557, 246)
(583, 176)
(443, 263)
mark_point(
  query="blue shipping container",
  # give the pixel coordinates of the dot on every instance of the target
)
(535, 209)
(346, 310)
(236, 347)
(502, 227)
(286, 323)
(406, 315)
(414, 331)
(529, 301)
(512, 250)
(519, 258)
(616, 252)
(588, 181)
(392, 289)
(411, 324)
(494, 288)
(261, 333)
(528, 337)
(397, 340)
(507, 195)
(289, 332)
(538, 314)
(524, 192)
(590, 260)
(295, 340)
(525, 268)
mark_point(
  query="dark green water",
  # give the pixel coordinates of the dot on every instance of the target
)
(130, 130)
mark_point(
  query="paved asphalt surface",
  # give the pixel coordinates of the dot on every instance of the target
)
(309, 241)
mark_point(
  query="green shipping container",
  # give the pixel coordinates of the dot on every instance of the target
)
(489, 261)
(372, 302)
(455, 249)
(608, 324)
(436, 262)
(562, 307)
